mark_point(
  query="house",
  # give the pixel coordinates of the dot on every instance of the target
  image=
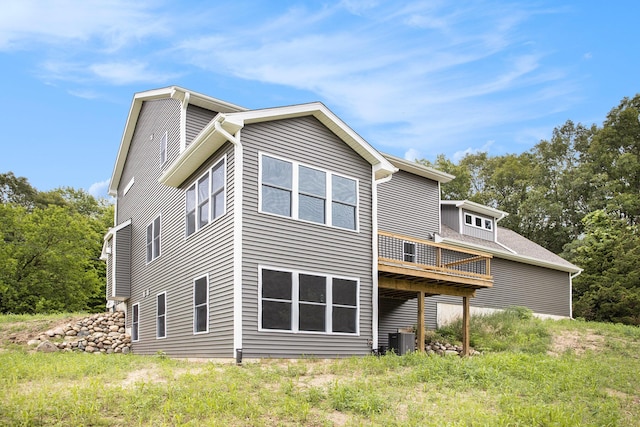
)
(281, 232)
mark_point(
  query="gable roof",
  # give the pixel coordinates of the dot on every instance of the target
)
(225, 124)
(418, 169)
(170, 92)
(477, 208)
(511, 246)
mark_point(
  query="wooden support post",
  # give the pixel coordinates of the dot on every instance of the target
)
(465, 326)
(420, 329)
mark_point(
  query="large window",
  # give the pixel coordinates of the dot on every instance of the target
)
(205, 198)
(201, 305)
(303, 302)
(161, 315)
(478, 221)
(302, 192)
(135, 322)
(153, 240)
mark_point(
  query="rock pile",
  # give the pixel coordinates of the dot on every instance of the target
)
(446, 349)
(98, 333)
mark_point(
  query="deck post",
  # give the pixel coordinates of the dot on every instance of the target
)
(420, 327)
(465, 326)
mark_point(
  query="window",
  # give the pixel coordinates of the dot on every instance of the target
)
(303, 302)
(205, 199)
(163, 149)
(153, 240)
(302, 192)
(161, 315)
(201, 305)
(409, 251)
(478, 221)
(135, 322)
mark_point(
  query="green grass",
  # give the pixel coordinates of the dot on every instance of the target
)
(593, 383)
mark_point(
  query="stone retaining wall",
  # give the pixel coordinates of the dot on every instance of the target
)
(98, 333)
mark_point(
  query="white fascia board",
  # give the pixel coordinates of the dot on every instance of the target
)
(174, 92)
(205, 144)
(382, 167)
(511, 256)
(418, 169)
(477, 208)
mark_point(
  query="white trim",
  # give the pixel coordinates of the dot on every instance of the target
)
(419, 169)
(164, 146)
(166, 316)
(209, 172)
(138, 323)
(415, 251)
(295, 194)
(183, 121)
(206, 331)
(159, 216)
(295, 284)
(128, 186)
(238, 192)
(477, 208)
(482, 219)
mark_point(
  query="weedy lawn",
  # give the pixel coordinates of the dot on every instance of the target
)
(531, 373)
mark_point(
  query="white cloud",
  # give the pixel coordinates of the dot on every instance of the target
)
(459, 155)
(99, 189)
(412, 155)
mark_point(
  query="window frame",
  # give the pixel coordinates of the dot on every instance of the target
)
(135, 322)
(296, 193)
(196, 306)
(406, 254)
(155, 241)
(164, 146)
(483, 221)
(163, 316)
(208, 174)
(295, 302)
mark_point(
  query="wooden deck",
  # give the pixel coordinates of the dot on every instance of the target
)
(414, 268)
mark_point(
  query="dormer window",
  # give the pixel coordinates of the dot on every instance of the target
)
(478, 221)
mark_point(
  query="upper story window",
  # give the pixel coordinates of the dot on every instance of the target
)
(153, 240)
(478, 221)
(290, 189)
(206, 198)
(163, 148)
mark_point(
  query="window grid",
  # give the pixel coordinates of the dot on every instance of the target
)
(205, 198)
(478, 221)
(296, 323)
(333, 205)
(161, 315)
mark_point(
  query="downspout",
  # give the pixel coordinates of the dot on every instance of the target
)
(374, 267)
(571, 277)
(237, 238)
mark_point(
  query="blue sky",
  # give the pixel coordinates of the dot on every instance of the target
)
(415, 79)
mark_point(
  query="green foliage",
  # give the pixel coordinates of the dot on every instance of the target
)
(514, 329)
(50, 244)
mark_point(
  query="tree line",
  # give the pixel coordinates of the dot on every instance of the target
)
(50, 245)
(578, 195)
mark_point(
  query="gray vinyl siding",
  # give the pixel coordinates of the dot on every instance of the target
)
(451, 217)
(109, 272)
(273, 241)
(478, 232)
(197, 119)
(123, 264)
(541, 289)
(409, 205)
(208, 251)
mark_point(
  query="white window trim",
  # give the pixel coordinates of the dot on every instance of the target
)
(166, 316)
(132, 321)
(206, 331)
(473, 221)
(295, 301)
(128, 186)
(212, 220)
(151, 224)
(415, 251)
(164, 147)
(295, 194)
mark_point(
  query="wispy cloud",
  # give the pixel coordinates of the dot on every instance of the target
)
(99, 189)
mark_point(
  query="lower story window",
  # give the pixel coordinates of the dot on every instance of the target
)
(201, 305)
(161, 315)
(302, 302)
(135, 322)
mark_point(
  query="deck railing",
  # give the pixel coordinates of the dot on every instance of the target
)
(417, 254)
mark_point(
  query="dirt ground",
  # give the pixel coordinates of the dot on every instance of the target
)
(577, 341)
